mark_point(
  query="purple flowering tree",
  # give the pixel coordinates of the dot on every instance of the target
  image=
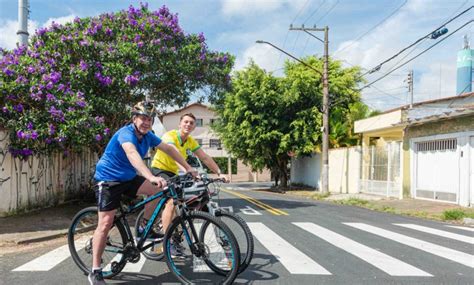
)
(73, 85)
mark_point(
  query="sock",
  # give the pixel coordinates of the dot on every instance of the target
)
(96, 269)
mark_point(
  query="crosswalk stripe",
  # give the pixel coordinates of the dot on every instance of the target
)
(461, 228)
(384, 262)
(290, 257)
(438, 232)
(49, 260)
(135, 267)
(451, 254)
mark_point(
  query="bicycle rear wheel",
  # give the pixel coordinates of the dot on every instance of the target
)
(191, 260)
(80, 243)
(155, 252)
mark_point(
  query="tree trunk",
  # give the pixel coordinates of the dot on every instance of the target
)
(282, 169)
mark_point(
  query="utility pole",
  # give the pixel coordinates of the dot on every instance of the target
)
(23, 12)
(325, 129)
(410, 86)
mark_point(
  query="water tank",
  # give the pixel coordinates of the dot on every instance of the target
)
(464, 69)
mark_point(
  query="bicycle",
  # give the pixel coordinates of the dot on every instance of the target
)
(203, 250)
(202, 201)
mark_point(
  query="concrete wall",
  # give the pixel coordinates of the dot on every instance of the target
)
(306, 170)
(42, 181)
(344, 169)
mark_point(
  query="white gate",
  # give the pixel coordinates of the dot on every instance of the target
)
(381, 170)
(436, 170)
(471, 169)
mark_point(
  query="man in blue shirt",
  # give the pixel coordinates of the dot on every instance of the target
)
(116, 174)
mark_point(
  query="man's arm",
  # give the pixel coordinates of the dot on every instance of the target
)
(209, 162)
(137, 162)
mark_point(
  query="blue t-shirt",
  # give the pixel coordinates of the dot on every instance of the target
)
(114, 164)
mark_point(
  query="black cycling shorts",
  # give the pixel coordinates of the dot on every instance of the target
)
(162, 173)
(109, 193)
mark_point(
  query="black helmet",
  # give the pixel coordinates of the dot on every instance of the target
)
(144, 108)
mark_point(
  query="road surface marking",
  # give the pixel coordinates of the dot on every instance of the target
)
(49, 260)
(254, 201)
(250, 211)
(386, 263)
(461, 228)
(290, 257)
(451, 254)
(438, 232)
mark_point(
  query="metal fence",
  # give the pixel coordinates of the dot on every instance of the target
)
(381, 170)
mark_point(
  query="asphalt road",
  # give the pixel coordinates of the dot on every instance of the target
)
(303, 242)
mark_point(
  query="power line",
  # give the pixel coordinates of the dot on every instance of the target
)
(373, 28)
(329, 11)
(314, 12)
(430, 47)
(376, 68)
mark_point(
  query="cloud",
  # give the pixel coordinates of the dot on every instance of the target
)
(9, 28)
(60, 20)
(243, 7)
(264, 56)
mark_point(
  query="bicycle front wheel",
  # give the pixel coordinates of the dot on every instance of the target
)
(192, 253)
(243, 235)
(80, 236)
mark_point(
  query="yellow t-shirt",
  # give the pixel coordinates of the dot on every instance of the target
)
(165, 162)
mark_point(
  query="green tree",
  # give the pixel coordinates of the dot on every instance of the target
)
(74, 83)
(265, 119)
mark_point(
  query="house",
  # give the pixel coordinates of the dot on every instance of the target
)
(208, 140)
(425, 151)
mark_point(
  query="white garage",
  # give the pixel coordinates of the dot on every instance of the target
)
(443, 168)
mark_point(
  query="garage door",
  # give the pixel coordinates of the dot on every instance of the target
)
(471, 167)
(436, 174)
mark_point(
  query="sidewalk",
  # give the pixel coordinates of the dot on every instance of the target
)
(53, 222)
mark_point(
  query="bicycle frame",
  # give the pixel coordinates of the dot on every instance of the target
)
(167, 194)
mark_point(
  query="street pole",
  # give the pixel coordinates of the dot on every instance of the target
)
(325, 130)
(23, 11)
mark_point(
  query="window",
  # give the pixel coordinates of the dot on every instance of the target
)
(199, 141)
(215, 143)
(198, 122)
(213, 121)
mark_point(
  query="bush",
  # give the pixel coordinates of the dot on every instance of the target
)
(72, 85)
(455, 214)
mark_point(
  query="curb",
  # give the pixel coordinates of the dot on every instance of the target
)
(43, 237)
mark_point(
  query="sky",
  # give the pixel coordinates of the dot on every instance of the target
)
(361, 33)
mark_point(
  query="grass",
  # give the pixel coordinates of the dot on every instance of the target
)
(457, 214)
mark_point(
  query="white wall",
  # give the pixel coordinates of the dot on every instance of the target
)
(41, 181)
(344, 170)
(306, 170)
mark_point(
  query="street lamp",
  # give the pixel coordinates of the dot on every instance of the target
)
(290, 55)
(325, 129)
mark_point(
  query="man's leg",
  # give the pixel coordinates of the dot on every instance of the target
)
(149, 189)
(106, 219)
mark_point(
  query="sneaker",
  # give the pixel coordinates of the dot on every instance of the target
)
(176, 251)
(96, 278)
(152, 235)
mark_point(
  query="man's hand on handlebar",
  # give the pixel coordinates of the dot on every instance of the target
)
(158, 181)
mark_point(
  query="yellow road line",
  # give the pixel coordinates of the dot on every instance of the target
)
(256, 202)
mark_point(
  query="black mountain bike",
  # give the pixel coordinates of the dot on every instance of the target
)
(202, 201)
(206, 243)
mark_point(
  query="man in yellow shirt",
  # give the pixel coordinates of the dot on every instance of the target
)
(165, 166)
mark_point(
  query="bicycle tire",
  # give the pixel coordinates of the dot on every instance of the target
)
(80, 238)
(246, 252)
(227, 255)
(149, 253)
